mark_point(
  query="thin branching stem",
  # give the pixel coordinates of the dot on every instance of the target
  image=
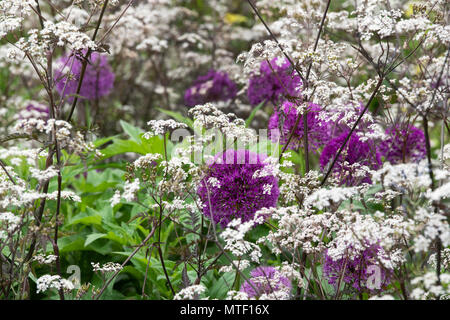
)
(85, 62)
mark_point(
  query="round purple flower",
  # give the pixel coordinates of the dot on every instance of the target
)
(34, 111)
(285, 119)
(274, 85)
(355, 153)
(214, 86)
(229, 189)
(359, 270)
(98, 79)
(265, 280)
(404, 144)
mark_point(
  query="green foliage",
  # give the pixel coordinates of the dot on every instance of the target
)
(135, 144)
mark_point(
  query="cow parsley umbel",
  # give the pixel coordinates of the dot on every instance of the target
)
(34, 110)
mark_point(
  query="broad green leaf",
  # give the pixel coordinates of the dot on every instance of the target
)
(132, 131)
(92, 237)
(71, 243)
(85, 219)
(99, 142)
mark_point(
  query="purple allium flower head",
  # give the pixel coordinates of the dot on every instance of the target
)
(359, 270)
(229, 190)
(35, 111)
(285, 120)
(273, 86)
(356, 151)
(214, 86)
(404, 143)
(98, 79)
(266, 280)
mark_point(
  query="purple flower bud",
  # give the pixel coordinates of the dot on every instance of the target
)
(229, 190)
(359, 270)
(283, 122)
(355, 151)
(404, 144)
(265, 280)
(98, 79)
(273, 85)
(212, 87)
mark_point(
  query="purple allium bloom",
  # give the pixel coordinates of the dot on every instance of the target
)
(98, 79)
(285, 120)
(238, 194)
(214, 86)
(272, 86)
(405, 143)
(355, 151)
(358, 271)
(266, 280)
(35, 111)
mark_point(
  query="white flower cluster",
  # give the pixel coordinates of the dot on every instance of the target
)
(177, 173)
(130, 190)
(107, 267)
(20, 195)
(430, 225)
(298, 229)
(404, 177)
(161, 127)
(10, 219)
(234, 235)
(147, 160)
(237, 295)
(74, 142)
(214, 182)
(427, 287)
(61, 34)
(209, 117)
(190, 293)
(322, 198)
(241, 265)
(12, 13)
(259, 52)
(440, 193)
(445, 259)
(47, 282)
(45, 259)
(44, 175)
(355, 232)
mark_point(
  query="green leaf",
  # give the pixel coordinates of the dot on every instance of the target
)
(152, 145)
(99, 142)
(86, 220)
(219, 288)
(132, 131)
(72, 243)
(92, 237)
(253, 113)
